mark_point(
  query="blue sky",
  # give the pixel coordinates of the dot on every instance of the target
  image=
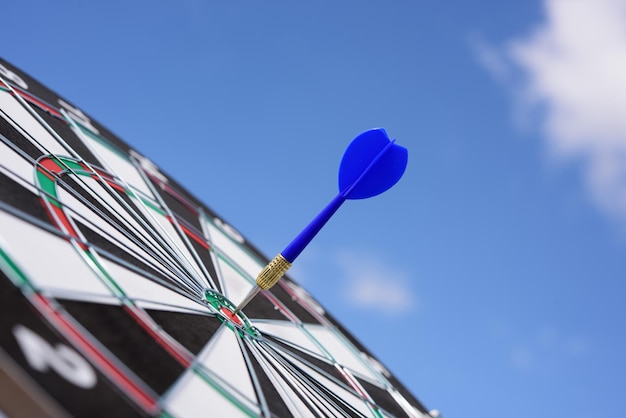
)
(491, 278)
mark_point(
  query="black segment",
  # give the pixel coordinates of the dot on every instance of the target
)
(262, 308)
(68, 135)
(17, 139)
(273, 399)
(23, 199)
(128, 341)
(192, 331)
(180, 209)
(206, 260)
(383, 399)
(291, 304)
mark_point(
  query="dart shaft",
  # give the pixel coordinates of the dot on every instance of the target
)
(303, 239)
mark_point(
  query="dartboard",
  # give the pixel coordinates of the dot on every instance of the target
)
(118, 291)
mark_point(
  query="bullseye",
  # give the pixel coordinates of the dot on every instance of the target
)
(225, 310)
(231, 315)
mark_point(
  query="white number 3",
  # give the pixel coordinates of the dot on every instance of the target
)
(66, 362)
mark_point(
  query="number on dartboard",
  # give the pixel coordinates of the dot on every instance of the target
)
(5, 72)
(78, 115)
(41, 356)
(229, 230)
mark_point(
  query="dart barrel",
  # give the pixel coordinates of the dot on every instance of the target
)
(272, 272)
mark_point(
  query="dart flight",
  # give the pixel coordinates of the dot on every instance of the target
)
(371, 165)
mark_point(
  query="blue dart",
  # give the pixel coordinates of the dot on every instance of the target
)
(371, 165)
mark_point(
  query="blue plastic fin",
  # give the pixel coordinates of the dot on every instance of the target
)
(371, 165)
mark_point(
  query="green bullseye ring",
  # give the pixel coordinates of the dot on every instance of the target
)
(226, 314)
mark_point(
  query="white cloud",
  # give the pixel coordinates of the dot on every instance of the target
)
(542, 350)
(522, 358)
(573, 68)
(490, 58)
(373, 283)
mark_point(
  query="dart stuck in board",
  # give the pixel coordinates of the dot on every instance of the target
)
(371, 164)
(118, 286)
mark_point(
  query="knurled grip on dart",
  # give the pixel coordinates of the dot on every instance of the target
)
(272, 272)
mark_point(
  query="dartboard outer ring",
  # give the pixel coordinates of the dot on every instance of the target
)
(118, 290)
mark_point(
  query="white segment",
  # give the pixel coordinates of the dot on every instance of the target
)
(180, 246)
(120, 166)
(191, 397)
(38, 253)
(105, 227)
(223, 357)
(13, 163)
(236, 287)
(290, 332)
(341, 349)
(23, 121)
(156, 306)
(249, 264)
(70, 294)
(101, 225)
(138, 286)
